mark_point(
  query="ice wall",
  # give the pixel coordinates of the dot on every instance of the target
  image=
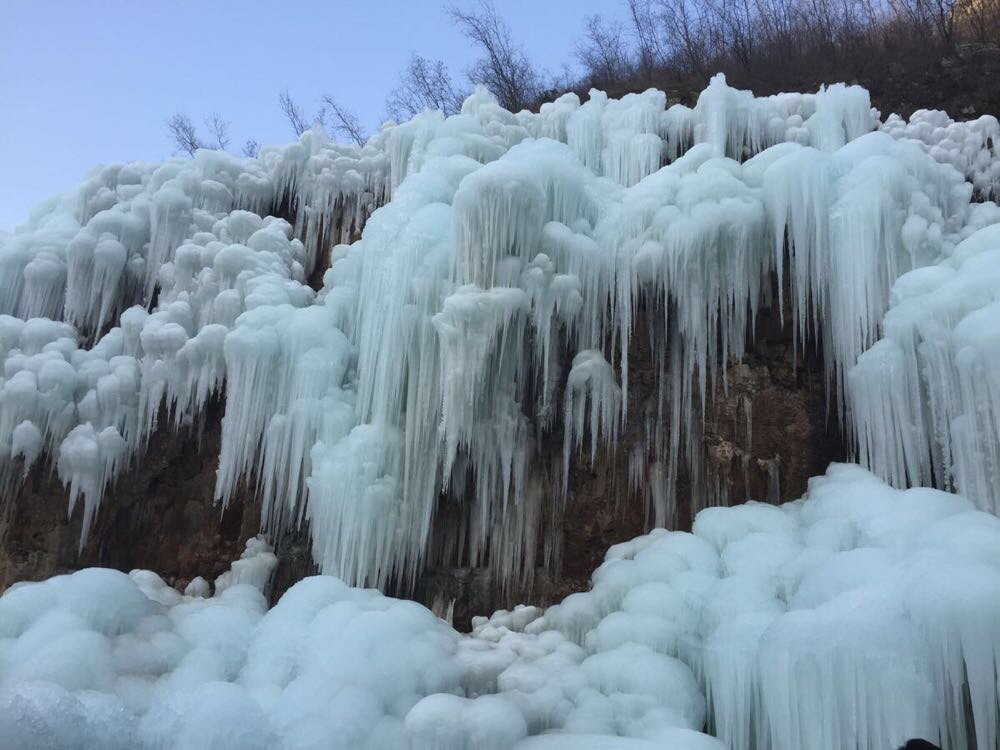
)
(86, 393)
(927, 396)
(497, 249)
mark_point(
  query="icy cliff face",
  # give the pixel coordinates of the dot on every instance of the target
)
(431, 361)
(508, 266)
(927, 396)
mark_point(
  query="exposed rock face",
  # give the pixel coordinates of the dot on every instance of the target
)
(791, 439)
(162, 515)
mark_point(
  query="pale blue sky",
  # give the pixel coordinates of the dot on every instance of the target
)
(85, 82)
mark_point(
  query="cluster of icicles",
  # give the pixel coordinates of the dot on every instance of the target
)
(497, 248)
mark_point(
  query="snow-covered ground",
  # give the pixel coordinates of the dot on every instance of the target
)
(496, 247)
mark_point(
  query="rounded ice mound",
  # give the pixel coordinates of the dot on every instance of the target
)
(105, 601)
(212, 716)
(760, 624)
(37, 715)
(101, 659)
(488, 722)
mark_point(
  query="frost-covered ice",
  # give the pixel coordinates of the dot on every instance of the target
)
(103, 659)
(87, 370)
(927, 396)
(971, 147)
(506, 262)
(858, 616)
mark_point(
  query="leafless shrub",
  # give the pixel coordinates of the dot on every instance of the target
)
(425, 84)
(978, 21)
(775, 43)
(293, 113)
(218, 128)
(603, 53)
(338, 119)
(186, 140)
(183, 134)
(503, 68)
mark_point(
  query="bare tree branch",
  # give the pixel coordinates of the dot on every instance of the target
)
(251, 147)
(218, 128)
(687, 29)
(183, 134)
(504, 68)
(293, 112)
(344, 121)
(425, 84)
(603, 52)
(650, 50)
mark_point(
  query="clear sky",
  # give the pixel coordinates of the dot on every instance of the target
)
(86, 82)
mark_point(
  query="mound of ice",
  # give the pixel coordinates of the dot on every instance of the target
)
(101, 659)
(970, 147)
(858, 616)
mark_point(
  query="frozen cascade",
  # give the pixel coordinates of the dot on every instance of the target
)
(927, 396)
(497, 247)
(857, 616)
(92, 388)
(872, 210)
(971, 147)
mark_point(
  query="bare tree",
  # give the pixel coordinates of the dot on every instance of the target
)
(732, 26)
(504, 68)
(648, 37)
(218, 128)
(688, 32)
(979, 20)
(182, 132)
(332, 115)
(291, 110)
(603, 53)
(940, 15)
(186, 139)
(342, 120)
(778, 23)
(425, 84)
(566, 79)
